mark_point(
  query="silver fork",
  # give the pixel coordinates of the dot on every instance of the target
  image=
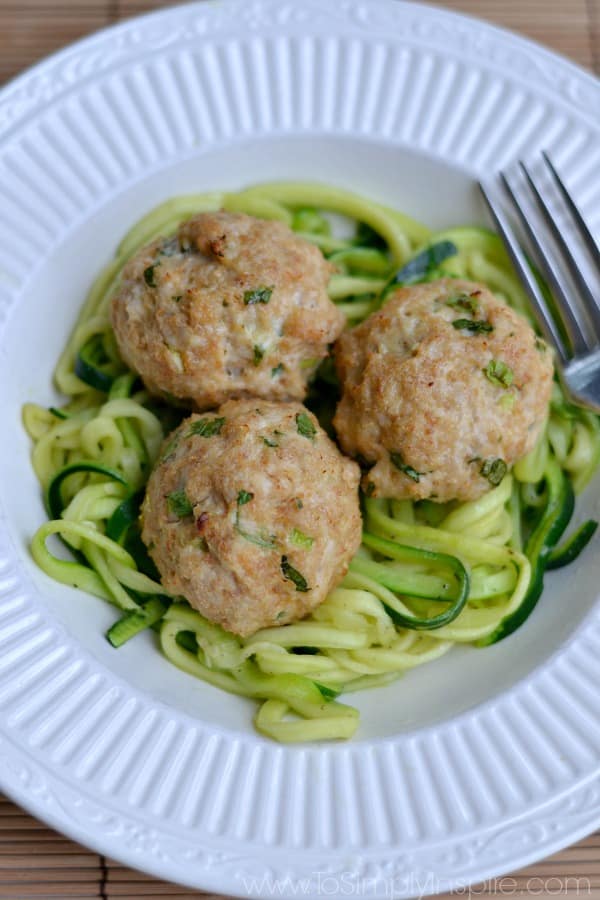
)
(577, 309)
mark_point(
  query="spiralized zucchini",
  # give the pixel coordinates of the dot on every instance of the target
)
(427, 576)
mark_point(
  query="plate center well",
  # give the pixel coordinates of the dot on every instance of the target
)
(421, 186)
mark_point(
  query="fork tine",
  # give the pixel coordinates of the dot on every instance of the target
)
(585, 232)
(547, 323)
(591, 306)
(576, 334)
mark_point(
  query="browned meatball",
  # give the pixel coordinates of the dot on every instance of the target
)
(443, 388)
(252, 514)
(233, 306)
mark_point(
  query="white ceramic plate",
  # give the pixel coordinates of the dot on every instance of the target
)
(467, 768)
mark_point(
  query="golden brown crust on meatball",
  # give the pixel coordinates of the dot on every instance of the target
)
(430, 404)
(252, 514)
(233, 306)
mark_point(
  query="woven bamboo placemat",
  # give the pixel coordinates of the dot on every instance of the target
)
(36, 862)
(30, 29)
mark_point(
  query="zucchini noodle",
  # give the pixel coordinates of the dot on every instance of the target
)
(427, 575)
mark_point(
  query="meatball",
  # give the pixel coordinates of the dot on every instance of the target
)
(444, 387)
(232, 306)
(252, 514)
